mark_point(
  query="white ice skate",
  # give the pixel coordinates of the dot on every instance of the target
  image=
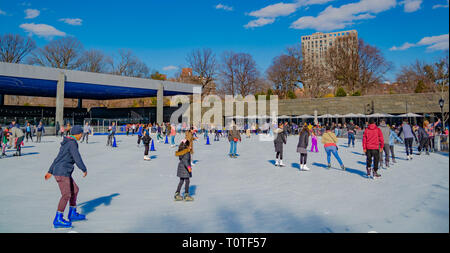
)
(147, 158)
(281, 163)
(305, 168)
(277, 163)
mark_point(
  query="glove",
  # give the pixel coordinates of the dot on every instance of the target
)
(190, 169)
(47, 176)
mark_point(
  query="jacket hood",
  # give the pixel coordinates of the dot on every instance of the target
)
(182, 152)
(372, 126)
(67, 140)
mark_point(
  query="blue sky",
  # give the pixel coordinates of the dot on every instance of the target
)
(161, 33)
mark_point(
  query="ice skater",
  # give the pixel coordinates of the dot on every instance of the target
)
(62, 168)
(17, 135)
(40, 130)
(314, 147)
(373, 144)
(280, 140)
(408, 137)
(329, 141)
(3, 140)
(303, 138)
(392, 137)
(146, 140)
(184, 170)
(233, 137)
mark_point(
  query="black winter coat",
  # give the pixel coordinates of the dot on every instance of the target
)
(280, 140)
(303, 140)
(185, 158)
(146, 139)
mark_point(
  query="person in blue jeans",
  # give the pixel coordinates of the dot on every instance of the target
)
(329, 141)
(351, 133)
(233, 137)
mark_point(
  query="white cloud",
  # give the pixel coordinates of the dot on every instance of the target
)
(338, 18)
(31, 13)
(405, 46)
(433, 43)
(274, 10)
(170, 68)
(71, 21)
(411, 5)
(2, 12)
(259, 22)
(440, 5)
(224, 7)
(268, 14)
(42, 30)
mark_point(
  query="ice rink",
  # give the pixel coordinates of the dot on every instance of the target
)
(124, 193)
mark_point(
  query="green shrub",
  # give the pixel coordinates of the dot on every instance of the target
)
(357, 93)
(341, 92)
(291, 95)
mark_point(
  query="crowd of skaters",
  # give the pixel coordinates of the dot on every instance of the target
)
(377, 140)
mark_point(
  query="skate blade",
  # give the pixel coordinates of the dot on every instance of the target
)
(62, 228)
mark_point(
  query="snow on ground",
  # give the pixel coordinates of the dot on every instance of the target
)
(124, 193)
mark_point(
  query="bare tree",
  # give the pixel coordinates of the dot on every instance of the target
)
(342, 60)
(62, 53)
(372, 66)
(128, 65)
(315, 79)
(93, 61)
(13, 47)
(203, 64)
(227, 73)
(285, 74)
(417, 77)
(239, 74)
(247, 74)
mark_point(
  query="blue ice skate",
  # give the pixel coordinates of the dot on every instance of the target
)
(74, 216)
(60, 222)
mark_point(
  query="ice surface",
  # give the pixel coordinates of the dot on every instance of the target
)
(124, 193)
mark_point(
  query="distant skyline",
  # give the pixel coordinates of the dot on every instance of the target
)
(162, 33)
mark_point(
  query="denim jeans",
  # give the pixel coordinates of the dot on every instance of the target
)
(233, 145)
(351, 139)
(172, 139)
(333, 150)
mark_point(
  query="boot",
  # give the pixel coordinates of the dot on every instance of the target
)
(60, 222)
(368, 172)
(387, 164)
(178, 196)
(305, 168)
(281, 163)
(146, 158)
(375, 174)
(74, 216)
(277, 163)
(187, 197)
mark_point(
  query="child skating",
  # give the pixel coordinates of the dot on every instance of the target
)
(62, 168)
(146, 140)
(279, 141)
(302, 145)
(314, 147)
(184, 171)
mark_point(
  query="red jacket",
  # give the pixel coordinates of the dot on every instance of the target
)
(373, 138)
